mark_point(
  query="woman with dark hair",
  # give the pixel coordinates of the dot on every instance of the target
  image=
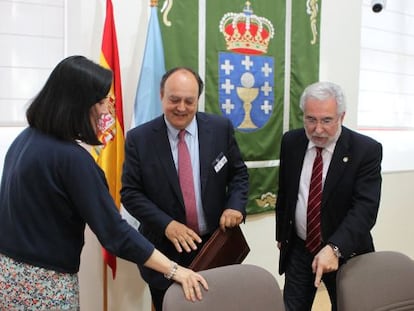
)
(51, 188)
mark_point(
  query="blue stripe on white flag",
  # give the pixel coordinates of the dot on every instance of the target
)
(147, 99)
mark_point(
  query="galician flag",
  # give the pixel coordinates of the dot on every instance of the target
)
(110, 155)
(255, 58)
(147, 104)
(147, 100)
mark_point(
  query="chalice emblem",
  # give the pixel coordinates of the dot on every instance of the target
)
(247, 94)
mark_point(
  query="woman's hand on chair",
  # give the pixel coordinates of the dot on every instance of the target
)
(191, 283)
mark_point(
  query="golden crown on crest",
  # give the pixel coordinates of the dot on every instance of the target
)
(246, 32)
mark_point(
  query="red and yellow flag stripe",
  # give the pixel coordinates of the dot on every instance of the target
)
(110, 155)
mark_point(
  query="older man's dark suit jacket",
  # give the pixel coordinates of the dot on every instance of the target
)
(150, 187)
(350, 198)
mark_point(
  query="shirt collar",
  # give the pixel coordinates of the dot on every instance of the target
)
(173, 132)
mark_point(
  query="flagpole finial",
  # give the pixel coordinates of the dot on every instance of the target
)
(153, 3)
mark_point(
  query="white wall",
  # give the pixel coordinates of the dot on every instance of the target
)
(340, 35)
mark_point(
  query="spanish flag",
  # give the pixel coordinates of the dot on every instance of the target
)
(110, 155)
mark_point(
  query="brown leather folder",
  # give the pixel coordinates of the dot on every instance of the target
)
(223, 248)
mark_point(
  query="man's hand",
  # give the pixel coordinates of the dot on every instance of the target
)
(230, 218)
(182, 237)
(324, 262)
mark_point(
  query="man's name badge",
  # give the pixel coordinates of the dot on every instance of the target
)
(219, 162)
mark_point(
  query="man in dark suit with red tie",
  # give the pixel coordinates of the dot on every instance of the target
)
(152, 185)
(313, 244)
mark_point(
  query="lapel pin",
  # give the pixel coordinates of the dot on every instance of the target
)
(345, 159)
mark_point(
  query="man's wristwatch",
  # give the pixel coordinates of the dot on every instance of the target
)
(336, 250)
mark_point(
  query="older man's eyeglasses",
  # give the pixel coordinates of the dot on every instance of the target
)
(328, 121)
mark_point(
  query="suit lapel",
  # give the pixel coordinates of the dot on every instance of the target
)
(163, 152)
(296, 158)
(338, 164)
(205, 143)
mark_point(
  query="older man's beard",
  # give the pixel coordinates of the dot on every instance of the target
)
(329, 139)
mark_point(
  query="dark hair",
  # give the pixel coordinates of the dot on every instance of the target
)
(171, 71)
(61, 108)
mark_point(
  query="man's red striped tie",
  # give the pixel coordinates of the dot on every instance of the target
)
(313, 235)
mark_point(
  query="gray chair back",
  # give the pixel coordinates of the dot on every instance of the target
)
(380, 281)
(240, 287)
